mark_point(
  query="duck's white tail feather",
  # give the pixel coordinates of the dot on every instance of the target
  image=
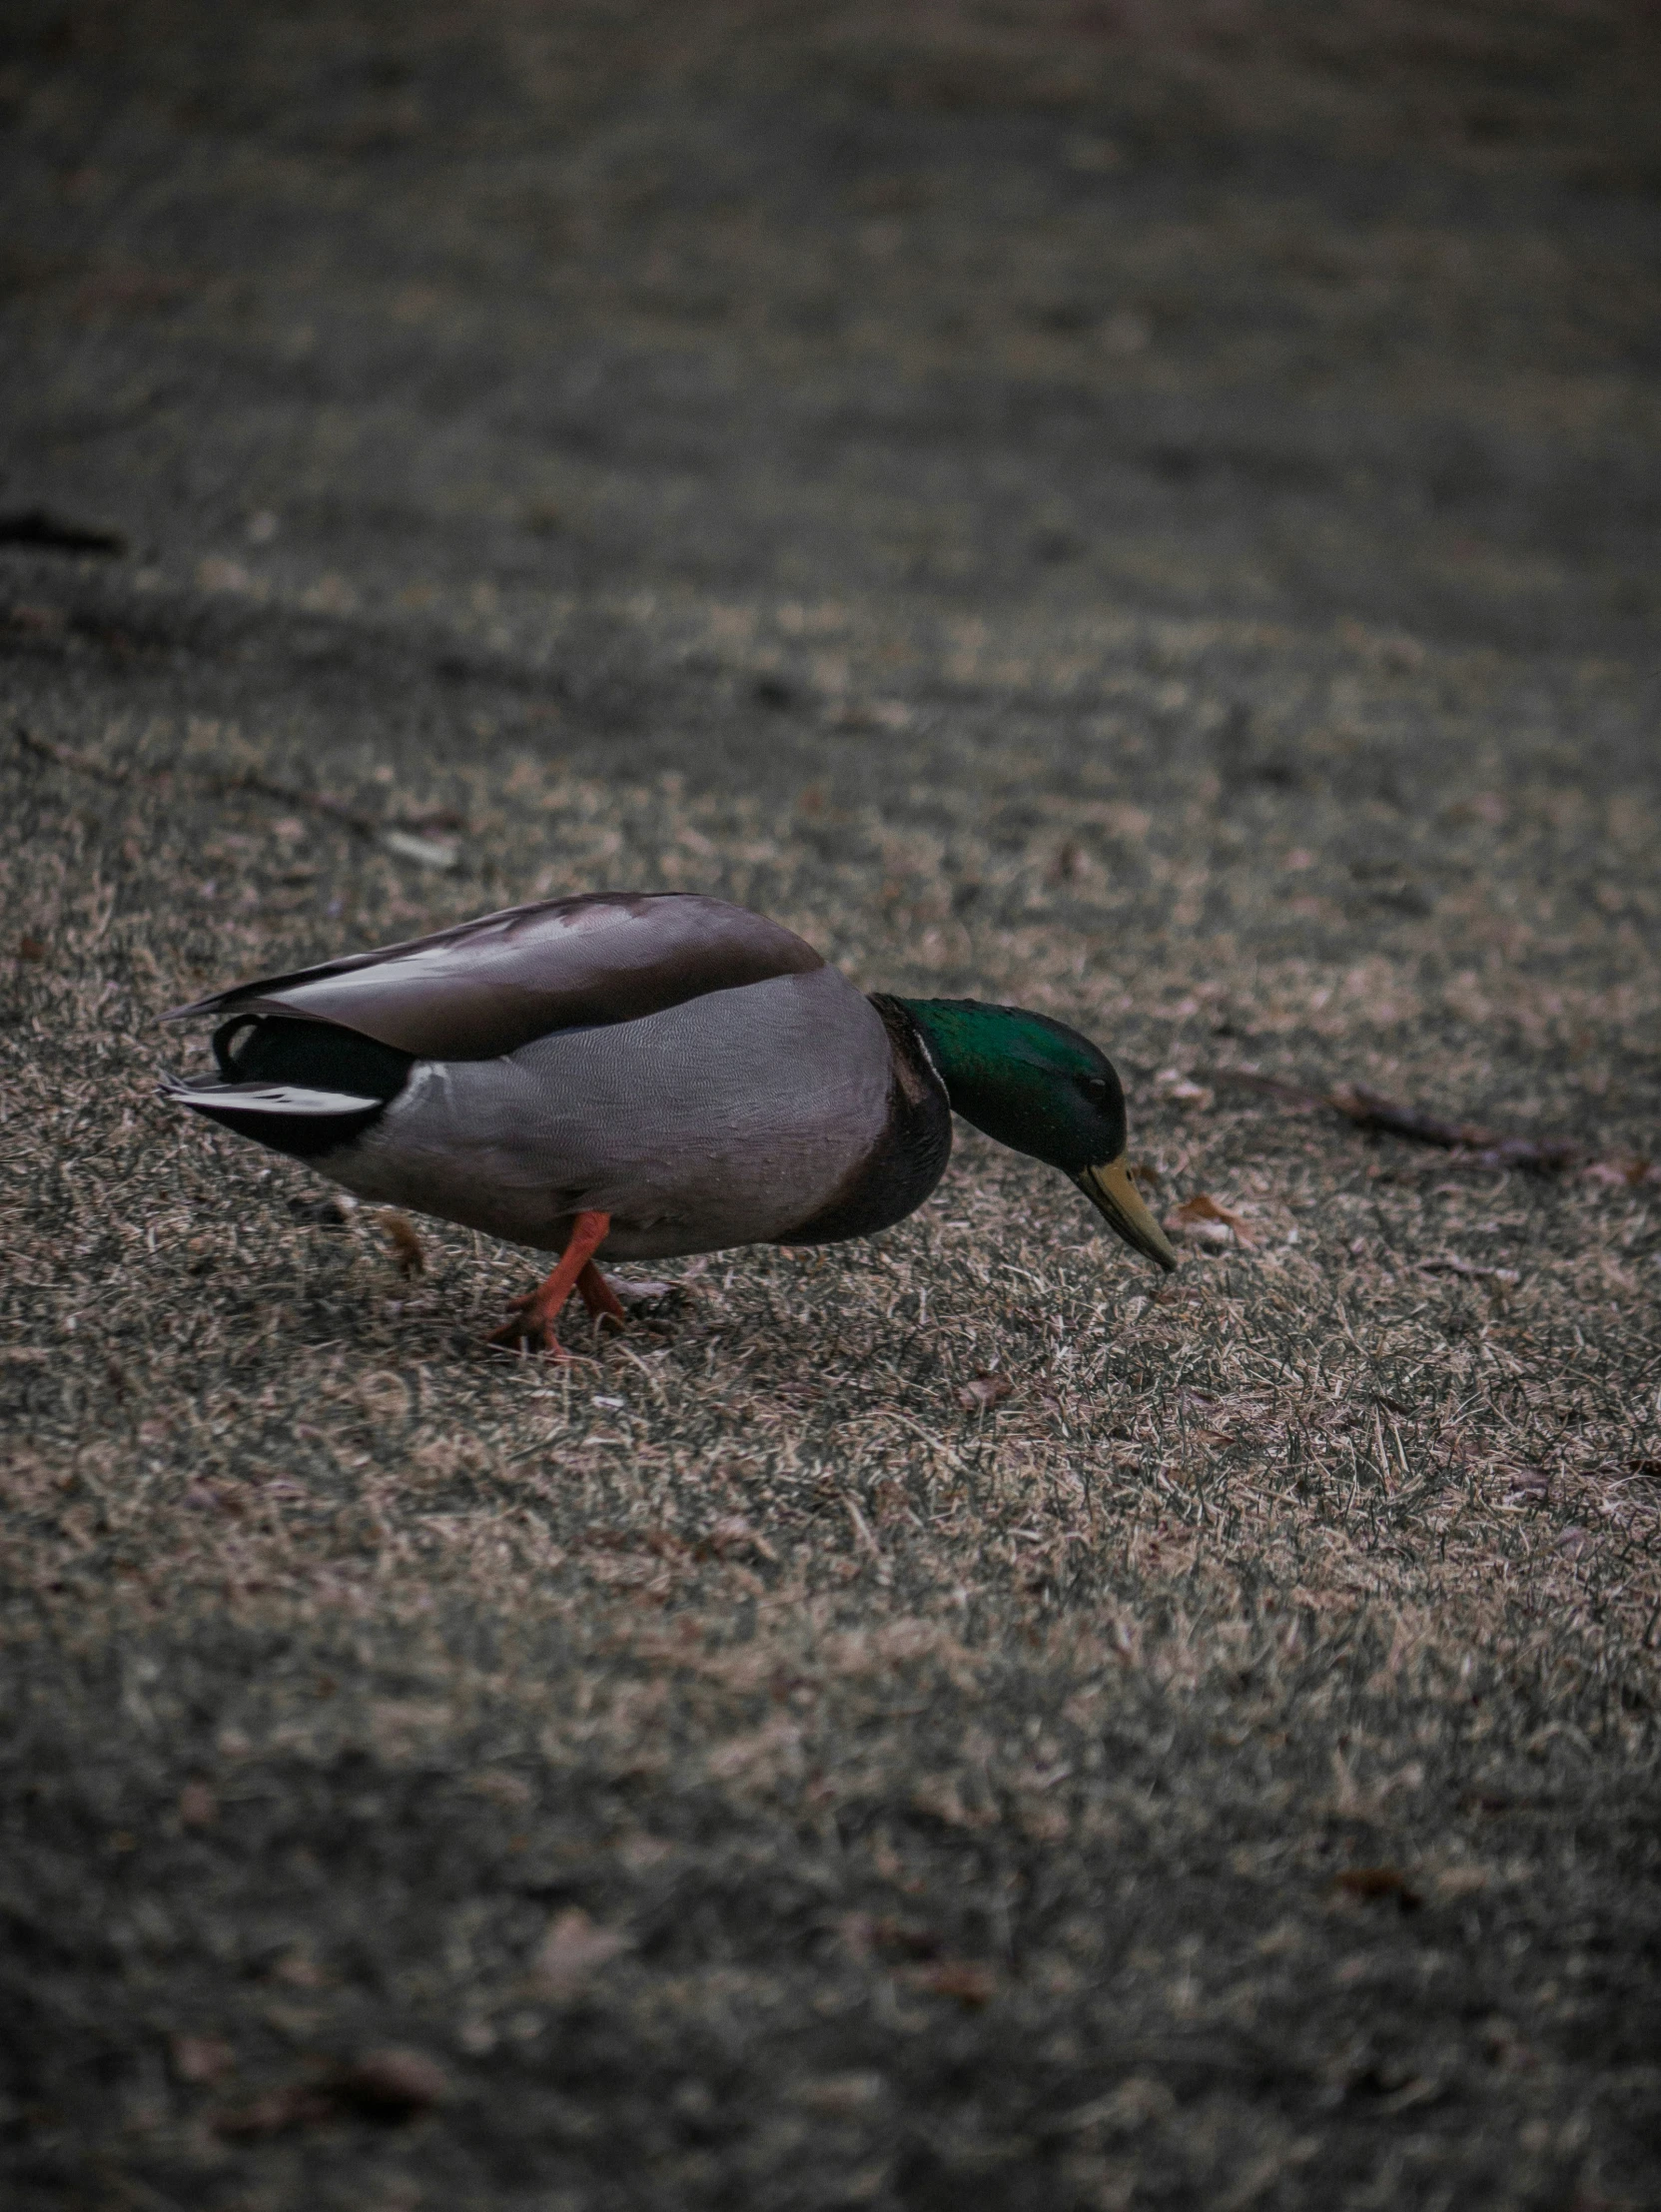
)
(265, 1098)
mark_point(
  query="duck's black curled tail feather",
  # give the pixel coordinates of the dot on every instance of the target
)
(318, 1055)
(302, 1088)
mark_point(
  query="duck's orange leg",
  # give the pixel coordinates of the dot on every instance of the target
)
(598, 1296)
(532, 1323)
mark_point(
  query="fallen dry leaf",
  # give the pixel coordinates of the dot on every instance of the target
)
(964, 1979)
(1528, 1485)
(880, 1936)
(643, 1291)
(731, 1536)
(1182, 1090)
(986, 1390)
(406, 1246)
(509, 1791)
(200, 2059)
(1622, 1173)
(278, 2111)
(391, 2085)
(574, 1949)
(387, 2085)
(1371, 1884)
(1207, 1218)
(1462, 1881)
(197, 1807)
(299, 1970)
(940, 1795)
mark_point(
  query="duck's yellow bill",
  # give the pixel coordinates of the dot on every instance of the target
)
(1112, 1193)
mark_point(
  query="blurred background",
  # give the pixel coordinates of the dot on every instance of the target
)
(1132, 493)
(477, 313)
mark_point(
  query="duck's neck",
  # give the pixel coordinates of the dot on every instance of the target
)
(994, 1061)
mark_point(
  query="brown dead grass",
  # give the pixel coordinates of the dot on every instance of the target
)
(884, 1545)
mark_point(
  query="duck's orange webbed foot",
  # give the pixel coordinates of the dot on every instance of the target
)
(529, 1327)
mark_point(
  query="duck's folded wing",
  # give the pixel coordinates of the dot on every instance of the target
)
(489, 986)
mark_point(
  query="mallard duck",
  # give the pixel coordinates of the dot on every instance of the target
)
(645, 1074)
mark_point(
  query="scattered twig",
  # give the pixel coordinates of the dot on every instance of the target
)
(384, 2085)
(1374, 1884)
(1449, 1266)
(1469, 1140)
(1294, 1094)
(61, 755)
(312, 802)
(430, 851)
(861, 1527)
(54, 533)
(408, 839)
(1492, 1150)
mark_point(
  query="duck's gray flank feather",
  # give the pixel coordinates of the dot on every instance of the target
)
(730, 1119)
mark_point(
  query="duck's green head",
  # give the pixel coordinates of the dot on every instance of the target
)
(1041, 1088)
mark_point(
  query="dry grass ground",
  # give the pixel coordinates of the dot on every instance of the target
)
(1154, 528)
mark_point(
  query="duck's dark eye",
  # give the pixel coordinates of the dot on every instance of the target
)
(1094, 1090)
